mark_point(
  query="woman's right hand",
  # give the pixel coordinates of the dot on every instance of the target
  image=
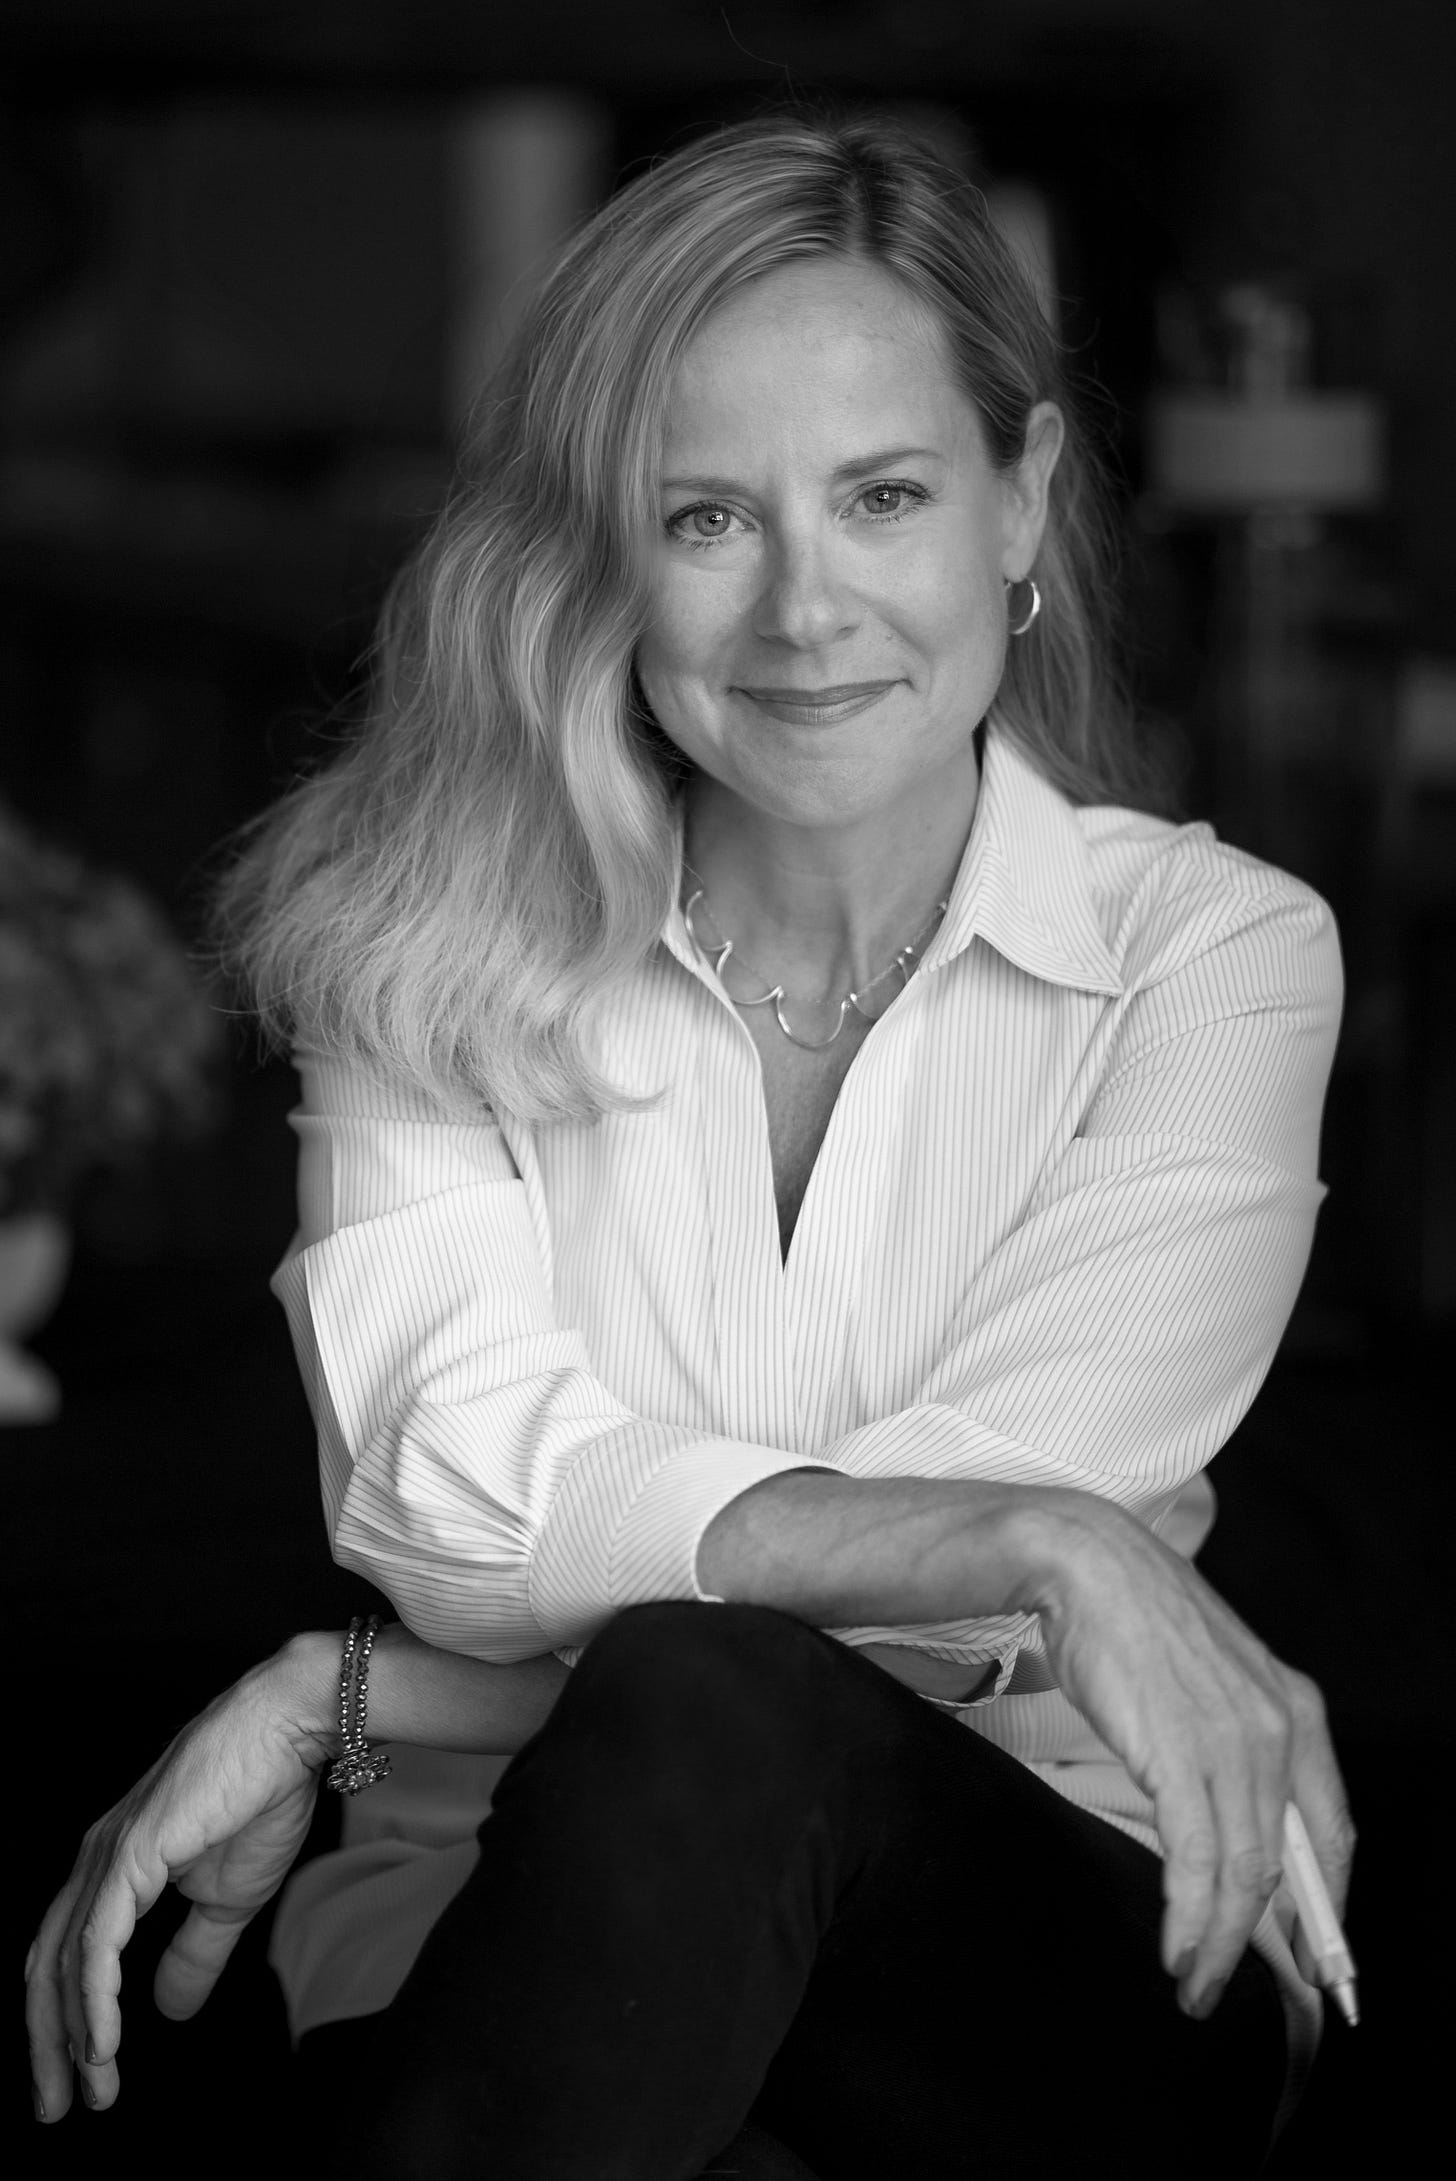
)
(1215, 1729)
(222, 1814)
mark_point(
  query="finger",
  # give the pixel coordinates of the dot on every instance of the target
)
(1319, 1790)
(196, 1957)
(1272, 1791)
(88, 1977)
(105, 1931)
(68, 1978)
(1249, 1790)
(98, 1985)
(1190, 1868)
(99, 2086)
(50, 2058)
(1249, 1873)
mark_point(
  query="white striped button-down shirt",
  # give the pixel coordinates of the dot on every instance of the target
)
(1054, 1233)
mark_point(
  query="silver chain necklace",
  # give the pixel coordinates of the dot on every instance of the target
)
(718, 954)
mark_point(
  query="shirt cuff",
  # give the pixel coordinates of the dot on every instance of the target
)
(1018, 1673)
(649, 1554)
(657, 1544)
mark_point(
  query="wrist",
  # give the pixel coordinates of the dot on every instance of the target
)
(1052, 1535)
(841, 1550)
(303, 1685)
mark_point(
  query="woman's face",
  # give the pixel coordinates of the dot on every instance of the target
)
(828, 609)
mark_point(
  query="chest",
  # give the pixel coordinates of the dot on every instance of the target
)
(800, 1092)
(896, 1160)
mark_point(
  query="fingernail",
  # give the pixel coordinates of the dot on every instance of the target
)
(1183, 1966)
(91, 2058)
(88, 2093)
(1210, 2000)
(39, 2102)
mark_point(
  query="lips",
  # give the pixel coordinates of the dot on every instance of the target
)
(816, 707)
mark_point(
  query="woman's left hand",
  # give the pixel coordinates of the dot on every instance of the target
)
(1219, 1733)
(222, 1814)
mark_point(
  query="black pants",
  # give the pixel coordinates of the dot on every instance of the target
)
(743, 1876)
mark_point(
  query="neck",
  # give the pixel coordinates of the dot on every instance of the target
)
(824, 909)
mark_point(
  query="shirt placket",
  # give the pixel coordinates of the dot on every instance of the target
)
(754, 1361)
(840, 1218)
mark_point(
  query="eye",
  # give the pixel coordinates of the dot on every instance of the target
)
(706, 523)
(890, 501)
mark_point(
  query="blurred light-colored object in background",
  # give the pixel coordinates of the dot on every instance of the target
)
(108, 1047)
(1266, 487)
(1248, 428)
(524, 168)
(1215, 452)
(108, 1040)
(1417, 860)
(35, 1256)
(1426, 724)
(1262, 439)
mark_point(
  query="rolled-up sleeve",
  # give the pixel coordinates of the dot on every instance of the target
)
(472, 1464)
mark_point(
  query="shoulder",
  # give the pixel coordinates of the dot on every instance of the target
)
(1168, 896)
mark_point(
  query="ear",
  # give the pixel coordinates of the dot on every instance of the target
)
(1027, 487)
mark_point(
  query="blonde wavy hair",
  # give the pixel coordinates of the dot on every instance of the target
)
(454, 898)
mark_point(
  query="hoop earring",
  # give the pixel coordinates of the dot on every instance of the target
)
(1019, 628)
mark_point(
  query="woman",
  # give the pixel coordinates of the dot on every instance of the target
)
(798, 1177)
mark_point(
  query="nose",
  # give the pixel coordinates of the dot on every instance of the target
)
(804, 601)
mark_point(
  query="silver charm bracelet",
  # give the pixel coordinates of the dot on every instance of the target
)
(358, 1766)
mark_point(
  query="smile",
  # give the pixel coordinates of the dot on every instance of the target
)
(817, 707)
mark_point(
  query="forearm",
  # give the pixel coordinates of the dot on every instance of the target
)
(833, 1551)
(848, 1552)
(417, 1694)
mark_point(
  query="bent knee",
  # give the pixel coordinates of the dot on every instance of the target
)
(677, 1631)
(676, 1662)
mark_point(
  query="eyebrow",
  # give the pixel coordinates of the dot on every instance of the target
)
(884, 458)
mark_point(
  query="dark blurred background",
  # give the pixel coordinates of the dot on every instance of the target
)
(253, 258)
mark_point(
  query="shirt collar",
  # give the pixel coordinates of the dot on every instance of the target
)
(1024, 883)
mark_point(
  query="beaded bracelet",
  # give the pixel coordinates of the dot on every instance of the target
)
(359, 1766)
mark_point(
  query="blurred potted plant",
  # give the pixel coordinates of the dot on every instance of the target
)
(106, 1046)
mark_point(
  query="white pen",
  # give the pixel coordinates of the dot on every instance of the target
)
(1332, 1956)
